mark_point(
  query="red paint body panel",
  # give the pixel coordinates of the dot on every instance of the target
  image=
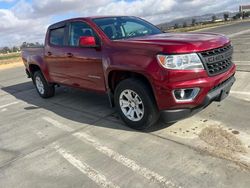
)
(89, 68)
(173, 43)
(204, 83)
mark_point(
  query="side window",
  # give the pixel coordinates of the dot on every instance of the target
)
(57, 36)
(109, 30)
(77, 30)
(133, 28)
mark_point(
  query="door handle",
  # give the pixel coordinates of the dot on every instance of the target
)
(49, 53)
(69, 55)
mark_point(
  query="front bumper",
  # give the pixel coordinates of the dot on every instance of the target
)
(218, 93)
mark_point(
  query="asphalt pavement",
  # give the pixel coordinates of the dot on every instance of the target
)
(76, 140)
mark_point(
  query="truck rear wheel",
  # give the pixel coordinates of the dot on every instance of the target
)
(44, 89)
(135, 103)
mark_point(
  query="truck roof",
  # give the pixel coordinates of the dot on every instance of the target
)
(61, 23)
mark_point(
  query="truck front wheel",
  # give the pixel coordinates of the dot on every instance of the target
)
(44, 89)
(135, 103)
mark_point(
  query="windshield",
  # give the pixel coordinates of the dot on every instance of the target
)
(125, 27)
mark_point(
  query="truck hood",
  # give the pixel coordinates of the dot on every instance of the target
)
(182, 42)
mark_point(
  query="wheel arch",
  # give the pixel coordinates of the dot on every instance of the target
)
(36, 63)
(116, 76)
(33, 68)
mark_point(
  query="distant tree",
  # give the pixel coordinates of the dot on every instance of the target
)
(235, 18)
(5, 50)
(184, 24)
(226, 16)
(31, 45)
(15, 49)
(239, 15)
(24, 45)
(247, 14)
(214, 18)
(176, 26)
(193, 22)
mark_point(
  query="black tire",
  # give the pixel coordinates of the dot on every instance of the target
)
(151, 113)
(49, 89)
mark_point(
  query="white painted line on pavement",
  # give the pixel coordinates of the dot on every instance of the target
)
(4, 110)
(6, 105)
(243, 38)
(239, 33)
(40, 134)
(241, 51)
(93, 174)
(240, 92)
(146, 173)
(242, 62)
(240, 43)
(58, 124)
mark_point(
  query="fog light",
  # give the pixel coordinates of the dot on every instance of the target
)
(185, 95)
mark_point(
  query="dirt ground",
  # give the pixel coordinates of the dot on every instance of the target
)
(10, 63)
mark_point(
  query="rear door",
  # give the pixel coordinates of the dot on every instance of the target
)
(55, 54)
(84, 64)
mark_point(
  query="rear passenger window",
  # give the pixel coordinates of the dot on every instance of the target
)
(57, 36)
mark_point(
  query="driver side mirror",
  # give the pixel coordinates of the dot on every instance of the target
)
(87, 41)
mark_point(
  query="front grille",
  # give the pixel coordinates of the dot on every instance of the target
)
(218, 60)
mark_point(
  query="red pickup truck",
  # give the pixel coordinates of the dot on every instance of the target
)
(144, 71)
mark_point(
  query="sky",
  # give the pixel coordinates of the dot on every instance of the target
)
(27, 20)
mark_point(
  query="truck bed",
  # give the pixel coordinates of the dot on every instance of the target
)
(31, 53)
(34, 51)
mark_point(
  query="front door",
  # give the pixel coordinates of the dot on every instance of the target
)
(84, 65)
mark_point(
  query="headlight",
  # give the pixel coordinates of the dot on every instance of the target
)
(180, 62)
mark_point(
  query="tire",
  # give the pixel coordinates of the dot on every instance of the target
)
(144, 112)
(44, 89)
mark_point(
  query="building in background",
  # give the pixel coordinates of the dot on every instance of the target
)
(244, 8)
